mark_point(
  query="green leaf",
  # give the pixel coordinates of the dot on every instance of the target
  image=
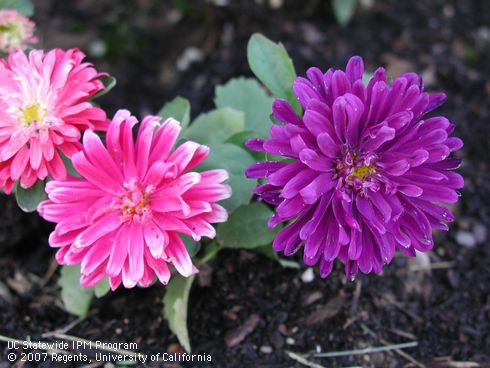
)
(275, 120)
(246, 94)
(179, 109)
(272, 65)
(23, 6)
(69, 165)
(76, 298)
(343, 11)
(102, 288)
(247, 227)
(234, 160)
(239, 140)
(216, 126)
(29, 199)
(366, 77)
(109, 83)
(191, 245)
(175, 304)
(210, 251)
(267, 251)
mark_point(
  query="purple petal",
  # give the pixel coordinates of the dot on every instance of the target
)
(284, 112)
(263, 169)
(255, 144)
(314, 160)
(354, 69)
(435, 100)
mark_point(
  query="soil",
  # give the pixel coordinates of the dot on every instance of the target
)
(254, 311)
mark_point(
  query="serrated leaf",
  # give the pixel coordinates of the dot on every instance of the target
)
(109, 83)
(215, 126)
(234, 160)
(246, 94)
(22, 6)
(267, 251)
(175, 305)
(247, 227)
(272, 65)
(28, 199)
(75, 297)
(343, 11)
(102, 288)
(179, 109)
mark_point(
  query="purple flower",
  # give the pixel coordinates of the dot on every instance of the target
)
(365, 173)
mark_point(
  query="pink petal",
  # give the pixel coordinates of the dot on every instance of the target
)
(154, 238)
(135, 253)
(179, 256)
(119, 252)
(97, 230)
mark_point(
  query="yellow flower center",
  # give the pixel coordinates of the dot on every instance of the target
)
(32, 113)
(361, 172)
(7, 28)
(134, 203)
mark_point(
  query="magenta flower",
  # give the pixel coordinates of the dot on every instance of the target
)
(123, 217)
(366, 174)
(43, 108)
(16, 31)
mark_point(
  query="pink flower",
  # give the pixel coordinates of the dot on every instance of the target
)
(123, 217)
(16, 31)
(43, 108)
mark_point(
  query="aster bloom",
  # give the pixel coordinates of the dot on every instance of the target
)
(43, 108)
(123, 217)
(367, 172)
(16, 31)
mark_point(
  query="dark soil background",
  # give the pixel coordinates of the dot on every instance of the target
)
(160, 49)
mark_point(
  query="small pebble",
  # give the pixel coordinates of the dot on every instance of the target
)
(5, 293)
(421, 260)
(221, 2)
(283, 329)
(480, 232)
(275, 4)
(312, 298)
(97, 48)
(266, 349)
(190, 55)
(484, 33)
(277, 340)
(290, 341)
(466, 239)
(308, 275)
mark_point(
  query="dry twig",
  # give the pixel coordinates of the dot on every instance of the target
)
(368, 350)
(300, 359)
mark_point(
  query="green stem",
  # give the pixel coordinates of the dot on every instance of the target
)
(211, 252)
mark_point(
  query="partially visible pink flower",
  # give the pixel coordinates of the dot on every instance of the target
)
(16, 31)
(43, 108)
(123, 217)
